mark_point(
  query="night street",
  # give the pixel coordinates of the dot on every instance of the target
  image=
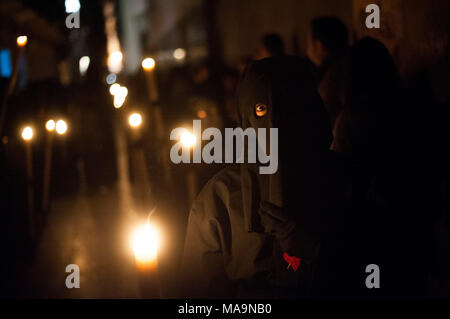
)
(84, 231)
(225, 150)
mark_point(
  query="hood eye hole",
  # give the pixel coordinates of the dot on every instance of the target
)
(260, 109)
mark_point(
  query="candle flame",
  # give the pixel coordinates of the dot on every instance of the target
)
(22, 40)
(145, 242)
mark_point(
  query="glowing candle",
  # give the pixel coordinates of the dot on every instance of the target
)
(22, 41)
(145, 242)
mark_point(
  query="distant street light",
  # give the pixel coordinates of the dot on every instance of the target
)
(22, 40)
(27, 133)
(135, 120)
(148, 64)
(61, 127)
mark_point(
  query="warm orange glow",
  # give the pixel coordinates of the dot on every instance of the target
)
(118, 101)
(179, 54)
(148, 64)
(61, 127)
(147, 266)
(27, 133)
(135, 120)
(188, 139)
(114, 89)
(145, 242)
(120, 93)
(22, 40)
(115, 61)
(50, 125)
(201, 114)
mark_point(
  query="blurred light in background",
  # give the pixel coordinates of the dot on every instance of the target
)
(114, 89)
(115, 61)
(27, 133)
(111, 78)
(22, 40)
(145, 241)
(5, 64)
(201, 114)
(179, 54)
(112, 40)
(148, 64)
(84, 64)
(135, 120)
(119, 93)
(50, 125)
(61, 127)
(118, 101)
(187, 139)
(122, 91)
(72, 6)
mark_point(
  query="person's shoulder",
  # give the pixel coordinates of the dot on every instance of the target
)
(226, 180)
(228, 175)
(217, 192)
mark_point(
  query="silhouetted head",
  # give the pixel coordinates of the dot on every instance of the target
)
(280, 93)
(371, 68)
(271, 45)
(374, 109)
(328, 38)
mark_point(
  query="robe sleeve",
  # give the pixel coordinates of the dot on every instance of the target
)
(203, 271)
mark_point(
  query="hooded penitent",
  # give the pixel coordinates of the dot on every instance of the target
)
(244, 224)
(285, 87)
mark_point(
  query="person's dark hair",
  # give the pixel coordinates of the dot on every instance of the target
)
(331, 32)
(373, 113)
(371, 67)
(273, 43)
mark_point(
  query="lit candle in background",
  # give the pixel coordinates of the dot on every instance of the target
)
(22, 41)
(156, 118)
(50, 126)
(145, 243)
(149, 65)
(144, 191)
(27, 136)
